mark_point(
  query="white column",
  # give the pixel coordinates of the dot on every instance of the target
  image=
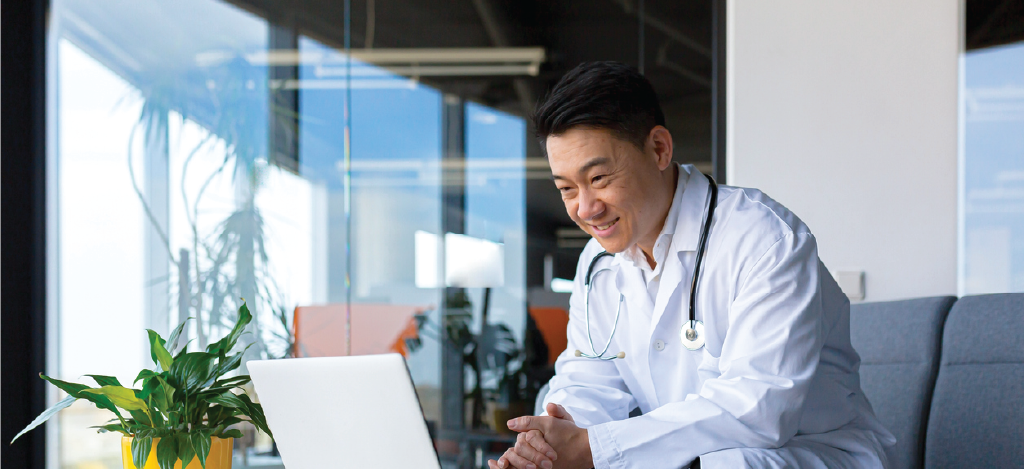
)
(847, 113)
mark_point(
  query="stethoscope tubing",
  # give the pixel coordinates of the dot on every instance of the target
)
(713, 190)
(587, 315)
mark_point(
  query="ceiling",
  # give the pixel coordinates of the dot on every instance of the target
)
(677, 56)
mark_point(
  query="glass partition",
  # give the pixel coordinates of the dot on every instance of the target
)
(991, 172)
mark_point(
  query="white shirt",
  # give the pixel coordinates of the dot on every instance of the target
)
(777, 367)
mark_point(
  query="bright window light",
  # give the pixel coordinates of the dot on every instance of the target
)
(473, 262)
(561, 285)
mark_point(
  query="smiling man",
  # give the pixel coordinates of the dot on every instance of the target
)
(762, 375)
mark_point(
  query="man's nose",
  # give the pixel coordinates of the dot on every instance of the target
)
(589, 206)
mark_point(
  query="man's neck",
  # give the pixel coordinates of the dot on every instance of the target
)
(647, 245)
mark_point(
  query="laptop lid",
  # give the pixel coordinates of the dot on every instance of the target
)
(357, 411)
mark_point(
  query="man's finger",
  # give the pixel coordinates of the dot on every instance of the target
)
(492, 464)
(525, 450)
(517, 461)
(537, 441)
(522, 424)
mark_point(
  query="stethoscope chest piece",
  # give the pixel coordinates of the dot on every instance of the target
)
(692, 334)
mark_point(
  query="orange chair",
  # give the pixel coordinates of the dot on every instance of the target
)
(376, 328)
(552, 323)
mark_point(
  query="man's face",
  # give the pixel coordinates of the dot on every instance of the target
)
(611, 188)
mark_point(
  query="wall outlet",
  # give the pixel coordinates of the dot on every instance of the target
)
(852, 282)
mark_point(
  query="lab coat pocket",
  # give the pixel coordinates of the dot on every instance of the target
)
(709, 366)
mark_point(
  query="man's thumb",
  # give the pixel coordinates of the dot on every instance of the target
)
(558, 411)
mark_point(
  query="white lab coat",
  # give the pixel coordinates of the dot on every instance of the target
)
(776, 384)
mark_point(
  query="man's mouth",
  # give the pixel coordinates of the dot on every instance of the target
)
(605, 226)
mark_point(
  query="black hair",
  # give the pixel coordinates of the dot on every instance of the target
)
(600, 95)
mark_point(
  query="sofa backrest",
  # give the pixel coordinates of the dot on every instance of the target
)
(976, 415)
(899, 344)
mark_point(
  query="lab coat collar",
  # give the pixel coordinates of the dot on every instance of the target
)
(688, 230)
(691, 211)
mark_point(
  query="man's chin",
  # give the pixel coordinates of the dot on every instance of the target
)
(612, 245)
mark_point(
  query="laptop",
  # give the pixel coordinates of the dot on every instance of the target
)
(342, 412)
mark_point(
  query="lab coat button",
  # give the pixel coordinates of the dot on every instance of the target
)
(659, 345)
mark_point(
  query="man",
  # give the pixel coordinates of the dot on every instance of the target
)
(775, 382)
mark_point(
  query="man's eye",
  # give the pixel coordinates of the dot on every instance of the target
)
(597, 179)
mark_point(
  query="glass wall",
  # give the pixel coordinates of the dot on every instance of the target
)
(991, 171)
(383, 198)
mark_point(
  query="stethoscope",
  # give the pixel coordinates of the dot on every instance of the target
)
(692, 334)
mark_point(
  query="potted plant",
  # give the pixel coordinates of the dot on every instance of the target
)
(183, 413)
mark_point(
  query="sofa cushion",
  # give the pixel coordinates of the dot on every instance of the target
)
(899, 344)
(976, 416)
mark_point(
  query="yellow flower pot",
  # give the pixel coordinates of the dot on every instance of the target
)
(219, 458)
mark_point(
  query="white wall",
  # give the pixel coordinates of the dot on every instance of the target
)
(847, 113)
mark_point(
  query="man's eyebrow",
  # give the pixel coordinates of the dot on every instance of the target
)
(590, 164)
(598, 161)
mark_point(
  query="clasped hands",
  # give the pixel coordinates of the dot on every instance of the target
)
(547, 442)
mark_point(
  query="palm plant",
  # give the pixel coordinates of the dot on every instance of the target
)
(231, 100)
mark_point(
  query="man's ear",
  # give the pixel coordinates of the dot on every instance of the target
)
(661, 141)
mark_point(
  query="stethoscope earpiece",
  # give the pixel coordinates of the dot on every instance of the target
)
(577, 353)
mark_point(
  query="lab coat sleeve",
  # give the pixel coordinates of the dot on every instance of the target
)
(769, 356)
(591, 390)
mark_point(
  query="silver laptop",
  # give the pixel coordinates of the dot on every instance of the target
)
(343, 412)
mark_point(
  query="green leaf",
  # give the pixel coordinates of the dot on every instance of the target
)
(201, 445)
(162, 393)
(218, 415)
(141, 446)
(105, 380)
(121, 397)
(167, 452)
(228, 399)
(231, 433)
(231, 382)
(225, 345)
(151, 384)
(160, 354)
(185, 450)
(175, 335)
(165, 395)
(255, 413)
(113, 427)
(223, 426)
(190, 371)
(77, 390)
(63, 404)
(141, 417)
(71, 388)
(184, 350)
(145, 374)
(226, 364)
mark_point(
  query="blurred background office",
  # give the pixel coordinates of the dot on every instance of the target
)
(364, 173)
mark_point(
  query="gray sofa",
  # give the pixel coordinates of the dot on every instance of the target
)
(945, 375)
